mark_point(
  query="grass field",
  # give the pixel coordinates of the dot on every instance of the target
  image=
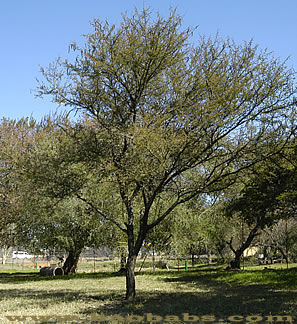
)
(208, 292)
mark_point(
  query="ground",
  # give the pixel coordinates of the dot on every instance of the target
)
(202, 294)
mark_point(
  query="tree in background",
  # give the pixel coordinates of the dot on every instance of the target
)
(282, 237)
(216, 229)
(166, 118)
(52, 217)
(64, 227)
(201, 227)
(15, 138)
(9, 206)
(186, 236)
(259, 204)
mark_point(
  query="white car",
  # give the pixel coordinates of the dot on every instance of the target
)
(21, 255)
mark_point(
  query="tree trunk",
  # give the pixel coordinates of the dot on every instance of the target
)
(193, 259)
(209, 258)
(133, 250)
(5, 252)
(285, 255)
(4, 257)
(130, 277)
(222, 257)
(235, 263)
(70, 264)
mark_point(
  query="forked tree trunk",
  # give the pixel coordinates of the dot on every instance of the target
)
(70, 264)
(4, 257)
(235, 263)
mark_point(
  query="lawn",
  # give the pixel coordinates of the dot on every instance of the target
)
(207, 293)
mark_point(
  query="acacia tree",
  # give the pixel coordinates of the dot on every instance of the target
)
(167, 117)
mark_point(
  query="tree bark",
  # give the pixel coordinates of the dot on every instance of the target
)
(70, 264)
(235, 263)
(133, 250)
(130, 277)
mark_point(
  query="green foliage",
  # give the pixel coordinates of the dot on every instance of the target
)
(274, 278)
(267, 192)
(257, 201)
(167, 116)
(262, 201)
(15, 139)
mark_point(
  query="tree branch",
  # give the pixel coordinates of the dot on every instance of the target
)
(97, 210)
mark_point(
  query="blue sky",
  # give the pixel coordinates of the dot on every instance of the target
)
(33, 33)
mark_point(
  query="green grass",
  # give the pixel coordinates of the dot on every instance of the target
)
(201, 291)
(274, 278)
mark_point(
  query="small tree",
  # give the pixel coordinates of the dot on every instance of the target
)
(282, 237)
(187, 239)
(166, 117)
(216, 229)
(52, 216)
(258, 205)
(62, 226)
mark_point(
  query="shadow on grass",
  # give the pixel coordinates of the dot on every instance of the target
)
(220, 293)
(21, 277)
(224, 304)
(220, 303)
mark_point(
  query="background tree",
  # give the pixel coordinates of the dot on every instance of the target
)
(258, 204)
(216, 229)
(15, 138)
(9, 205)
(167, 117)
(191, 229)
(52, 216)
(64, 227)
(281, 237)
